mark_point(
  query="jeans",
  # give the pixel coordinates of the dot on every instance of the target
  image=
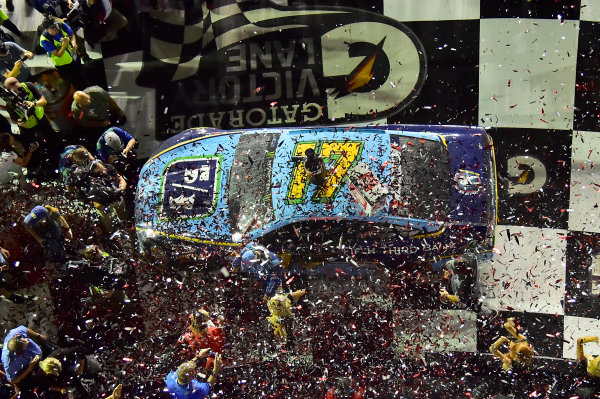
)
(54, 242)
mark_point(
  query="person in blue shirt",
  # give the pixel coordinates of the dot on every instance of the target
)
(60, 43)
(66, 162)
(182, 384)
(262, 264)
(265, 266)
(113, 143)
(20, 354)
(44, 224)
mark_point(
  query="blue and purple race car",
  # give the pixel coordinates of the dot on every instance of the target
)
(389, 193)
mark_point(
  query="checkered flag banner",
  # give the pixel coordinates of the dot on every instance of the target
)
(173, 43)
(178, 39)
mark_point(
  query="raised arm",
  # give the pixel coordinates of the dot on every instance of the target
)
(215, 372)
(512, 329)
(580, 342)
(35, 335)
(23, 162)
(41, 102)
(64, 42)
(445, 296)
(129, 146)
(116, 393)
(32, 366)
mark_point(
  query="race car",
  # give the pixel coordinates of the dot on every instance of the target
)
(386, 193)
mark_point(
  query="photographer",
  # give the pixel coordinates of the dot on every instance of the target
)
(60, 43)
(65, 367)
(12, 61)
(24, 152)
(106, 277)
(114, 143)
(100, 184)
(55, 8)
(25, 105)
(99, 20)
(71, 13)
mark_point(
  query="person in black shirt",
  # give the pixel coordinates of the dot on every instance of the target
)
(315, 167)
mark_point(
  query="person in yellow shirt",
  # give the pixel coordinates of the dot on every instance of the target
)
(592, 363)
(519, 351)
(280, 308)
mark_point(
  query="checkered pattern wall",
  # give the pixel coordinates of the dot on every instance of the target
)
(528, 71)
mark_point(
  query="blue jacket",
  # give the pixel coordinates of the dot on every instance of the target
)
(266, 267)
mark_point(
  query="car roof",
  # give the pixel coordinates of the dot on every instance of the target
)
(372, 145)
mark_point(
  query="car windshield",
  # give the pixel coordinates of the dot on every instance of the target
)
(249, 181)
(420, 179)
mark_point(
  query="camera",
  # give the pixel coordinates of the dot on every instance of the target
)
(77, 17)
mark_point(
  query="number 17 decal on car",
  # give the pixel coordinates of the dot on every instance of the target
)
(338, 155)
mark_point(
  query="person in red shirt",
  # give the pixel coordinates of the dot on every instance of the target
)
(203, 333)
(344, 387)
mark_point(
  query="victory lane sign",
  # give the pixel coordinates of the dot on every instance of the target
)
(344, 65)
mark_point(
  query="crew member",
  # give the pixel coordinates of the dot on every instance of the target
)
(519, 351)
(20, 354)
(204, 333)
(592, 363)
(114, 143)
(182, 384)
(95, 108)
(44, 223)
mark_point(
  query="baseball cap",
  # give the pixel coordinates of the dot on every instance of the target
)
(113, 141)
